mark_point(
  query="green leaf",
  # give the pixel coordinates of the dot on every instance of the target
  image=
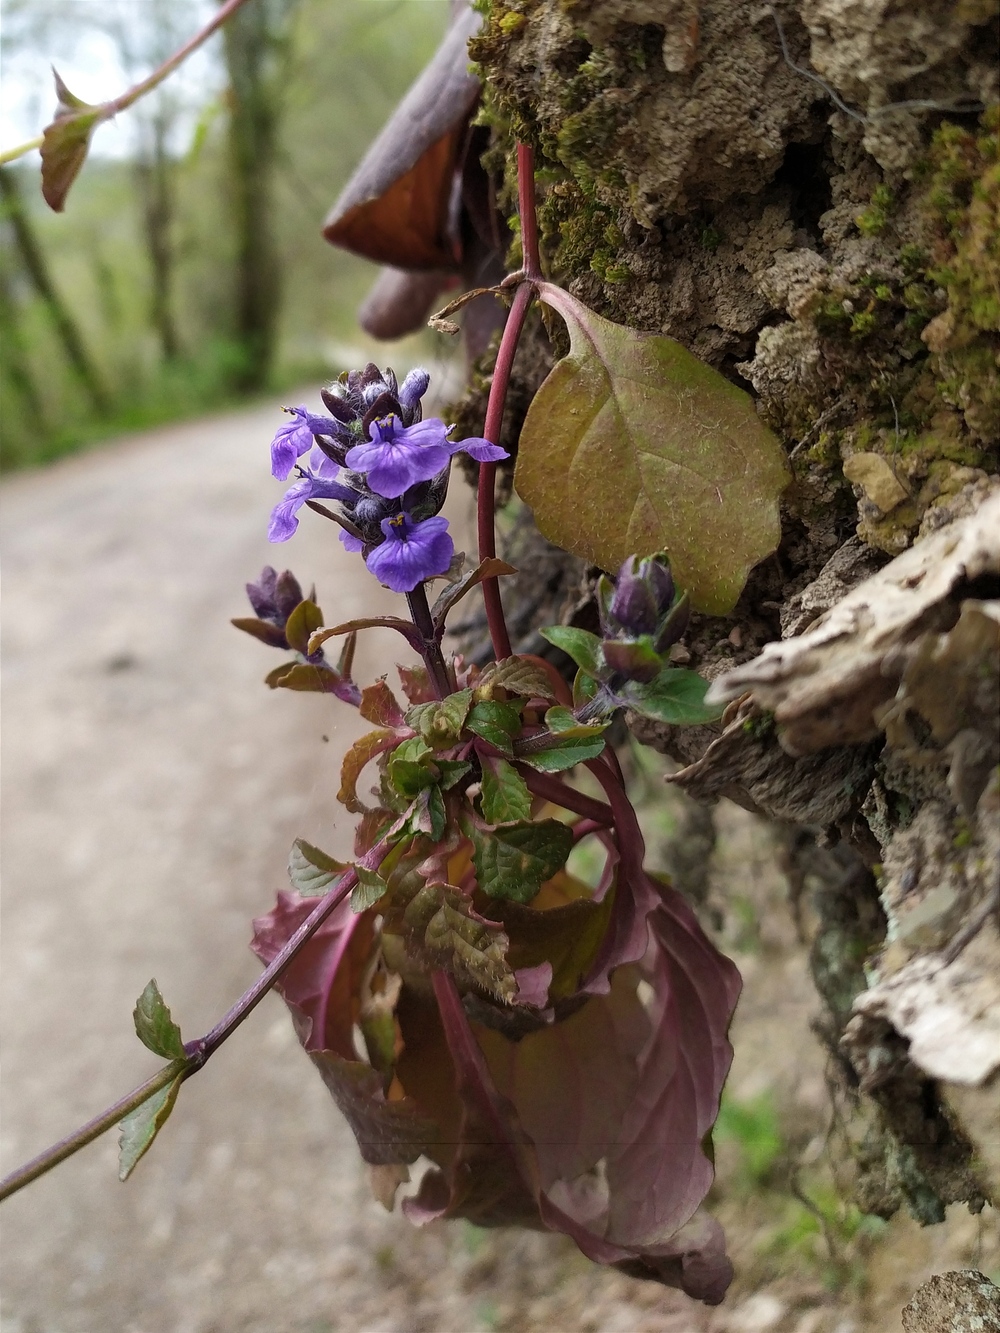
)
(517, 675)
(440, 928)
(515, 859)
(574, 750)
(451, 771)
(580, 644)
(304, 621)
(495, 722)
(584, 688)
(491, 568)
(633, 446)
(311, 871)
(141, 1126)
(65, 144)
(440, 723)
(505, 794)
(154, 1027)
(408, 770)
(675, 696)
(430, 814)
(369, 889)
(561, 722)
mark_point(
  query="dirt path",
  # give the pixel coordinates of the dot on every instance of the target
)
(151, 789)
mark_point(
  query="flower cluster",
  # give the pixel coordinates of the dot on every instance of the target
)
(384, 467)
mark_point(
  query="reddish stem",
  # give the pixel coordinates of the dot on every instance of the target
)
(498, 392)
(560, 793)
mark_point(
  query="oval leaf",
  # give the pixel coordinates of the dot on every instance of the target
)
(154, 1026)
(141, 1126)
(633, 446)
(675, 696)
(311, 871)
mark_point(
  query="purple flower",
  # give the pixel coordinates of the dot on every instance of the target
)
(295, 438)
(316, 482)
(411, 552)
(399, 456)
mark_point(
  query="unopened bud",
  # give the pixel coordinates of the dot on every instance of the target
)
(633, 606)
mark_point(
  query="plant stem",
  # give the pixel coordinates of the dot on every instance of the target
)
(126, 99)
(197, 1052)
(12, 154)
(498, 391)
(560, 793)
(430, 647)
(93, 1129)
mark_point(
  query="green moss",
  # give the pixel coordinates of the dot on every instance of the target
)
(875, 217)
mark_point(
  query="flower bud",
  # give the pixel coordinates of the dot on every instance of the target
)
(633, 606)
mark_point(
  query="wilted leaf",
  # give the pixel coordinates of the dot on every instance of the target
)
(303, 621)
(675, 696)
(497, 723)
(486, 569)
(513, 860)
(505, 794)
(579, 644)
(379, 705)
(311, 871)
(355, 759)
(154, 1027)
(633, 446)
(65, 144)
(518, 675)
(370, 888)
(141, 1126)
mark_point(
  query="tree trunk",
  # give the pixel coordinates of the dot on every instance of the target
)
(807, 198)
(154, 174)
(254, 45)
(36, 267)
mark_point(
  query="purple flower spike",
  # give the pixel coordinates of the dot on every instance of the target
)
(411, 552)
(317, 482)
(400, 456)
(295, 438)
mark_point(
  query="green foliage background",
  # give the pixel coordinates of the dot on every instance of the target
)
(348, 64)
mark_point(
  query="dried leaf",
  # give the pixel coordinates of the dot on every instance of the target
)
(360, 753)
(154, 1026)
(379, 705)
(486, 569)
(633, 446)
(395, 208)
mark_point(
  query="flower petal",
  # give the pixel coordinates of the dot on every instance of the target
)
(411, 552)
(481, 450)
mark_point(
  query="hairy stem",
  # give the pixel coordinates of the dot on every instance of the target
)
(430, 646)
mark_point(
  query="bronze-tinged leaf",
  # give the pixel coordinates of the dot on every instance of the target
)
(395, 208)
(65, 144)
(302, 676)
(491, 568)
(304, 620)
(416, 684)
(633, 446)
(379, 705)
(440, 928)
(568, 937)
(525, 676)
(265, 630)
(360, 753)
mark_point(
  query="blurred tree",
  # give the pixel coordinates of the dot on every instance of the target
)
(37, 270)
(256, 47)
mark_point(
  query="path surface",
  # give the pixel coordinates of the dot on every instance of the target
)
(151, 788)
